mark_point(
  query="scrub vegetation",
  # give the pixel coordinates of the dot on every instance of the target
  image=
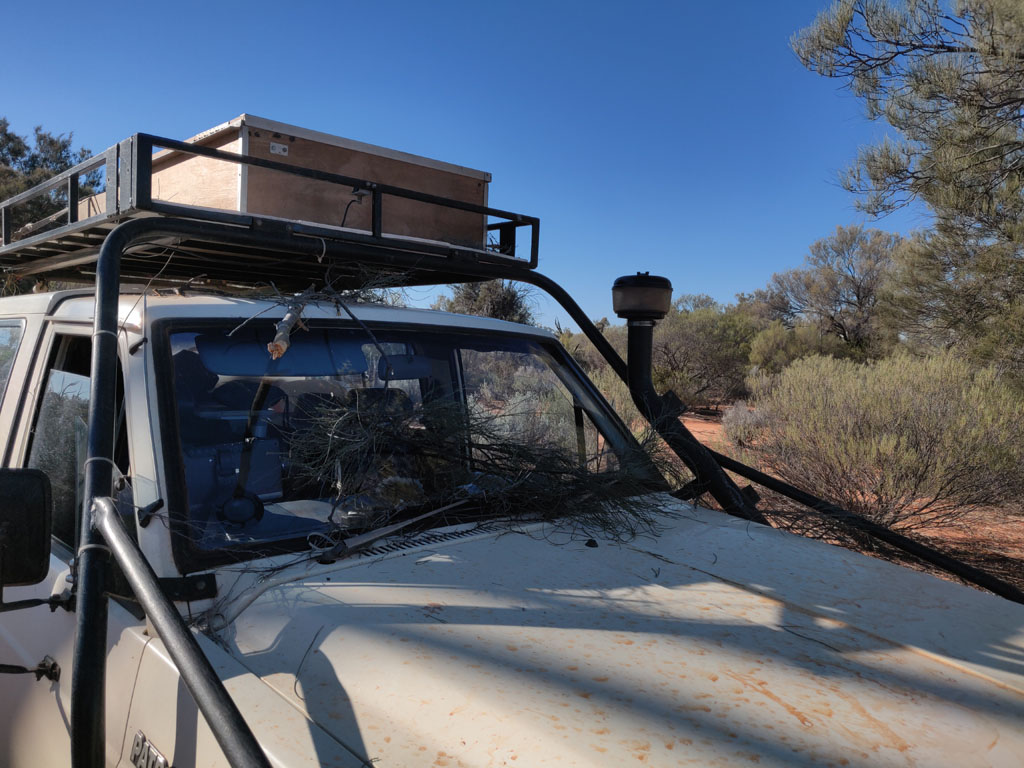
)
(886, 374)
(906, 442)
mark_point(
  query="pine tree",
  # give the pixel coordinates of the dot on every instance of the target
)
(951, 82)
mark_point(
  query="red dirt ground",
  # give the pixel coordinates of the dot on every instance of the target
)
(990, 539)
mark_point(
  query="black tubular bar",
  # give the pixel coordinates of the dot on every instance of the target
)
(90, 658)
(89, 662)
(935, 557)
(928, 554)
(142, 156)
(87, 702)
(665, 420)
(233, 734)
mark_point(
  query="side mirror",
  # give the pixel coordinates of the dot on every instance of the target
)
(25, 511)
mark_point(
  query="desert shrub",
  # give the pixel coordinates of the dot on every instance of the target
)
(617, 394)
(904, 441)
(742, 423)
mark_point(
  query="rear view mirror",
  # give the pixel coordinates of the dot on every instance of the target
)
(25, 510)
(405, 367)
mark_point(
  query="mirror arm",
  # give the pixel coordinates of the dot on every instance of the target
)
(47, 668)
(54, 601)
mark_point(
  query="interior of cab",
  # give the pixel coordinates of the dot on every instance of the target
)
(346, 429)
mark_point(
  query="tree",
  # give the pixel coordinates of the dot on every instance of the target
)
(952, 85)
(501, 299)
(701, 350)
(837, 290)
(765, 306)
(775, 347)
(23, 165)
(948, 293)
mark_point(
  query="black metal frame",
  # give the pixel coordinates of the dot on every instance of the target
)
(230, 247)
(228, 726)
(66, 251)
(89, 670)
(665, 419)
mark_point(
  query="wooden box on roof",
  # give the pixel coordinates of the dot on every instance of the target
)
(211, 183)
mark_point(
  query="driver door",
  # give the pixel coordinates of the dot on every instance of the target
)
(34, 715)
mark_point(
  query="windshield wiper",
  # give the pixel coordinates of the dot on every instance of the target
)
(353, 544)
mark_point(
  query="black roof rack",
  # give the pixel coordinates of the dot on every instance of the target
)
(65, 246)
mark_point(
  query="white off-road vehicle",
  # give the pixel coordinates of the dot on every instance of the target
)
(248, 517)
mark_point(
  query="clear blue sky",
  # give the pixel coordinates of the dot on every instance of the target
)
(681, 138)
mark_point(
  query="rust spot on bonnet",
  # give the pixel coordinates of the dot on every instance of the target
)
(760, 686)
(892, 739)
(603, 679)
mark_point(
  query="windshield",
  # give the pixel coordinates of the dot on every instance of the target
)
(346, 431)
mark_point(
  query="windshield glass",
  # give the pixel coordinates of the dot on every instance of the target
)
(346, 432)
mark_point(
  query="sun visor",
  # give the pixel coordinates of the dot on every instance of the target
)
(317, 352)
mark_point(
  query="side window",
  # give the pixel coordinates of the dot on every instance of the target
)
(519, 398)
(59, 441)
(10, 337)
(59, 437)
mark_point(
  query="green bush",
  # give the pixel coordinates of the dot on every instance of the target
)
(907, 442)
(777, 346)
(617, 394)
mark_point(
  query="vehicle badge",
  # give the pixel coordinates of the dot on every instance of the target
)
(145, 755)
